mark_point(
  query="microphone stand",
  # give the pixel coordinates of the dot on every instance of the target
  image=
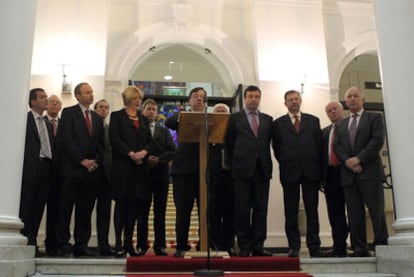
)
(208, 271)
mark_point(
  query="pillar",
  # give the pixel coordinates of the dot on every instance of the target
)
(17, 21)
(395, 28)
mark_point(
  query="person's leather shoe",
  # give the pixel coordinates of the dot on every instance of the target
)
(131, 252)
(84, 252)
(52, 252)
(141, 251)
(293, 253)
(106, 252)
(179, 254)
(315, 253)
(261, 253)
(231, 251)
(119, 253)
(160, 252)
(335, 253)
(359, 254)
(244, 253)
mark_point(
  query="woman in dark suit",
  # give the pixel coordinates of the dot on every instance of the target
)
(130, 137)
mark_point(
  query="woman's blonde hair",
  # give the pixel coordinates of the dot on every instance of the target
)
(131, 92)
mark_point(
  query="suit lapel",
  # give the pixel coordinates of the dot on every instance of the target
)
(288, 122)
(245, 122)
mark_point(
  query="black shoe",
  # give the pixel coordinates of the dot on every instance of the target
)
(261, 253)
(231, 251)
(83, 252)
(315, 253)
(141, 251)
(335, 253)
(160, 252)
(293, 253)
(131, 252)
(106, 252)
(52, 252)
(179, 253)
(359, 254)
(244, 253)
(119, 252)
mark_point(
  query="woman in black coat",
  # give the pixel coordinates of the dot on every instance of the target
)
(130, 137)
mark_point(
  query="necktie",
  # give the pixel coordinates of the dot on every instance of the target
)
(88, 123)
(54, 124)
(333, 160)
(152, 128)
(353, 129)
(255, 126)
(296, 123)
(45, 149)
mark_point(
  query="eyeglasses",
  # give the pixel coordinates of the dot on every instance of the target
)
(196, 96)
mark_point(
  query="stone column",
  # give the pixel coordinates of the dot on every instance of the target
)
(17, 21)
(395, 27)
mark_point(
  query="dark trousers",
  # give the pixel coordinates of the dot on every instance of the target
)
(103, 212)
(310, 193)
(52, 215)
(371, 194)
(33, 198)
(335, 201)
(81, 194)
(221, 211)
(159, 187)
(185, 190)
(127, 209)
(251, 197)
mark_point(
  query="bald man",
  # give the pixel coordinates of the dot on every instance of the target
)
(334, 193)
(358, 141)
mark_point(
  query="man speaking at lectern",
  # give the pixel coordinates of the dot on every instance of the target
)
(248, 139)
(185, 174)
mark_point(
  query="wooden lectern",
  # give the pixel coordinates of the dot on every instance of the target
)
(192, 128)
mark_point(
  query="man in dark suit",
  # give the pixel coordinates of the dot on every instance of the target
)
(297, 144)
(81, 140)
(158, 159)
(185, 174)
(54, 106)
(248, 140)
(334, 193)
(358, 141)
(104, 195)
(37, 166)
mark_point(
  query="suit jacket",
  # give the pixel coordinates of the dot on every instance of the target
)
(368, 143)
(31, 160)
(187, 159)
(75, 143)
(245, 149)
(164, 149)
(298, 153)
(124, 138)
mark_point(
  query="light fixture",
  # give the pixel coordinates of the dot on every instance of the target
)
(66, 85)
(169, 77)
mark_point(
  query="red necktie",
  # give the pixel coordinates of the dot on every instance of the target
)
(255, 126)
(88, 123)
(54, 123)
(353, 129)
(296, 123)
(333, 160)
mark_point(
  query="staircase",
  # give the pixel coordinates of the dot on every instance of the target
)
(318, 267)
(170, 224)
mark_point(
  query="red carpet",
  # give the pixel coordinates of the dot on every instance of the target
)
(239, 274)
(151, 263)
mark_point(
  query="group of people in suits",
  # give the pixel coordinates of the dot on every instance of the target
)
(84, 160)
(77, 160)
